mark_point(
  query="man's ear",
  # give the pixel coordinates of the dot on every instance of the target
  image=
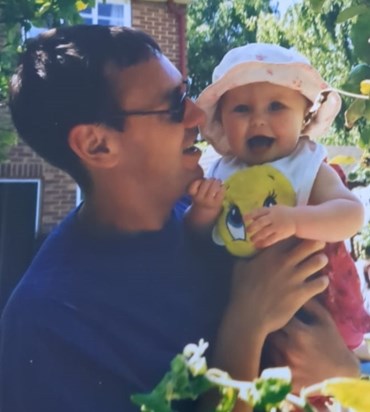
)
(94, 145)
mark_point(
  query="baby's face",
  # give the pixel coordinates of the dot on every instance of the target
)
(262, 121)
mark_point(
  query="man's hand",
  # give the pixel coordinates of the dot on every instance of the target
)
(266, 292)
(269, 225)
(273, 285)
(313, 349)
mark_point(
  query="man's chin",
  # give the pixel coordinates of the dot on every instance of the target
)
(198, 173)
(195, 175)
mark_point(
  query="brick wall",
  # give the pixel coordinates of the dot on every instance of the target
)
(157, 20)
(58, 191)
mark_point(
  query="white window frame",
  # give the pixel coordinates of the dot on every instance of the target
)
(38, 197)
(126, 21)
(79, 196)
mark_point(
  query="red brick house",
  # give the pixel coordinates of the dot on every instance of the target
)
(35, 196)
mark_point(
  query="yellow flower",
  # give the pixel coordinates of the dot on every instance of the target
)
(365, 87)
(351, 393)
(342, 160)
(80, 5)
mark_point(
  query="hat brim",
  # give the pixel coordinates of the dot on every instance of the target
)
(296, 76)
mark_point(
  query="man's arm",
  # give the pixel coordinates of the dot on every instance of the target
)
(314, 350)
(266, 293)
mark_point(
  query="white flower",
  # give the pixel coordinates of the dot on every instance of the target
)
(277, 373)
(246, 391)
(195, 360)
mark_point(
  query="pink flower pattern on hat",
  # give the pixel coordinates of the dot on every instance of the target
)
(261, 62)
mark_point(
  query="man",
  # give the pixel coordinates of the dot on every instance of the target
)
(117, 289)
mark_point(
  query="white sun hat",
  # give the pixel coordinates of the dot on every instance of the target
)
(261, 62)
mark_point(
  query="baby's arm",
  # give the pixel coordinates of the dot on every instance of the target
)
(207, 196)
(333, 214)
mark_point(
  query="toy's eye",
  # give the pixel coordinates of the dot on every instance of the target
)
(270, 200)
(235, 224)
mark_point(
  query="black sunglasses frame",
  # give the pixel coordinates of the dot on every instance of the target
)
(176, 109)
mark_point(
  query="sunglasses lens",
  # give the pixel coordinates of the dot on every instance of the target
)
(178, 109)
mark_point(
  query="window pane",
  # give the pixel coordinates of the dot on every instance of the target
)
(110, 10)
(33, 32)
(104, 22)
(86, 11)
(104, 9)
(87, 20)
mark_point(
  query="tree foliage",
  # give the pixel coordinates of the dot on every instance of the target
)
(357, 84)
(332, 34)
(16, 18)
(317, 36)
(189, 378)
(216, 26)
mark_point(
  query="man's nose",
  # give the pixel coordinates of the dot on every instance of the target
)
(194, 116)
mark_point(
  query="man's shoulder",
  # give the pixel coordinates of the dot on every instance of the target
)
(26, 307)
(34, 290)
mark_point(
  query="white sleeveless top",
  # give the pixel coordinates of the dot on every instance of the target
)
(300, 167)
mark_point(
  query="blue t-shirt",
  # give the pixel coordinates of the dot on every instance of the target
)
(96, 319)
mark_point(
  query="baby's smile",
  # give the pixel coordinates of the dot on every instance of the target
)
(259, 143)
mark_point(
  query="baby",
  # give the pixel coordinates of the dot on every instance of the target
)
(265, 105)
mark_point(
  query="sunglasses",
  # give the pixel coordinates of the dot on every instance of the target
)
(176, 110)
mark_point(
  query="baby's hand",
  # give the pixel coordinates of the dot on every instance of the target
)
(207, 193)
(269, 225)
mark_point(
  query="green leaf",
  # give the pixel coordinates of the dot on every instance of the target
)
(360, 35)
(8, 138)
(13, 35)
(355, 77)
(43, 9)
(308, 408)
(270, 392)
(350, 12)
(228, 399)
(366, 112)
(354, 112)
(365, 138)
(317, 4)
(177, 384)
(153, 402)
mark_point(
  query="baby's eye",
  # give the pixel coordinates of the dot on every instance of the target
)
(275, 106)
(241, 108)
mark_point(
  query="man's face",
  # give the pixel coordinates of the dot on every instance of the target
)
(157, 152)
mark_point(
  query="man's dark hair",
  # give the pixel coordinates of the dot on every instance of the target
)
(61, 82)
